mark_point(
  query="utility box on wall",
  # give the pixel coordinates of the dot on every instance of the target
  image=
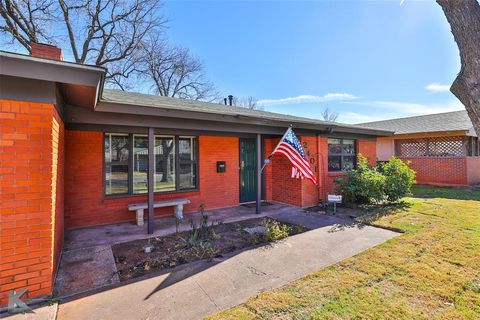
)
(221, 166)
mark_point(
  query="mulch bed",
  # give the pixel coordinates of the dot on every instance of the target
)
(176, 249)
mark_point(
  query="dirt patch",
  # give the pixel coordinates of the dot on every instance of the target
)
(189, 246)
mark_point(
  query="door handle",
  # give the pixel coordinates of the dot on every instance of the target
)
(242, 164)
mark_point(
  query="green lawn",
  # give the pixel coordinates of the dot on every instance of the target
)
(432, 271)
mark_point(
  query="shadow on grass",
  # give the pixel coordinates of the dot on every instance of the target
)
(455, 193)
(374, 213)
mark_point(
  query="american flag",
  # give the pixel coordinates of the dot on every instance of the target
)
(291, 148)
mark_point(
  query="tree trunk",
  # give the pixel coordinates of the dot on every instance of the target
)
(164, 164)
(464, 19)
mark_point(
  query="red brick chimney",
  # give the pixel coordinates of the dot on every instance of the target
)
(46, 51)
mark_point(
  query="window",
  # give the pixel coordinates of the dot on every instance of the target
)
(173, 170)
(140, 164)
(165, 164)
(116, 163)
(188, 163)
(341, 154)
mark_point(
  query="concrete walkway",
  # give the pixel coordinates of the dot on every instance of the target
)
(198, 289)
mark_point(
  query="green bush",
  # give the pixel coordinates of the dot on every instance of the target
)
(389, 181)
(399, 178)
(362, 185)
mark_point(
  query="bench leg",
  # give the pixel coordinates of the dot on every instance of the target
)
(179, 212)
(140, 217)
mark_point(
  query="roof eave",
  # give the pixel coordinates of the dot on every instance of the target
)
(128, 108)
(23, 66)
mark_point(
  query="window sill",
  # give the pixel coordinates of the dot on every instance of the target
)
(137, 195)
(335, 173)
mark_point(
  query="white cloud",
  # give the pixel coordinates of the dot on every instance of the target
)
(308, 99)
(354, 117)
(408, 108)
(437, 87)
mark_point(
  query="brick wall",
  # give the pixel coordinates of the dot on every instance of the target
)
(327, 179)
(436, 170)
(268, 145)
(31, 185)
(46, 51)
(284, 188)
(280, 186)
(86, 205)
(440, 171)
(368, 148)
(473, 170)
(310, 192)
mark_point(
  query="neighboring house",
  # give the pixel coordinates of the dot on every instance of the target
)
(74, 154)
(443, 148)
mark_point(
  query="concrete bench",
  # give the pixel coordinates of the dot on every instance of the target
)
(140, 207)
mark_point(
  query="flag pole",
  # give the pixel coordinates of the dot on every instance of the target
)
(271, 154)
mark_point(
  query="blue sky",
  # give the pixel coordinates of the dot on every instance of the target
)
(367, 60)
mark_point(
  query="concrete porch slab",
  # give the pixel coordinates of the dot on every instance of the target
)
(198, 289)
(128, 231)
(85, 269)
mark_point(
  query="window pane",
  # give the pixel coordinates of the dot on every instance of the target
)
(188, 174)
(334, 163)
(140, 164)
(164, 164)
(116, 164)
(348, 162)
(334, 146)
(348, 147)
(186, 148)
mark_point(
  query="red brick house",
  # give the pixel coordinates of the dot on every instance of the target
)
(443, 148)
(74, 154)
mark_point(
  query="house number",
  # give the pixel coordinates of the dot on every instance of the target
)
(312, 159)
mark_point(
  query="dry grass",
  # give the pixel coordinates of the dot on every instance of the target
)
(432, 271)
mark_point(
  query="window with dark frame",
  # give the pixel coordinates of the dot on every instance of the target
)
(116, 163)
(341, 154)
(174, 170)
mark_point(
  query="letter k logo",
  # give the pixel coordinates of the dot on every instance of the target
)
(15, 304)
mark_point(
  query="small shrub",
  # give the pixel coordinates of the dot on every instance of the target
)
(362, 185)
(203, 232)
(389, 181)
(275, 230)
(236, 227)
(399, 178)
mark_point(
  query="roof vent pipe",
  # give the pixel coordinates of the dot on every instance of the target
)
(230, 100)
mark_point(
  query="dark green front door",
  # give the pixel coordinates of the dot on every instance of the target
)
(248, 170)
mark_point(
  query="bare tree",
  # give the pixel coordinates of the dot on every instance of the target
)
(247, 102)
(250, 103)
(464, 19)
(329, 115)
(105, 33)
(25, 20)
(174, 72)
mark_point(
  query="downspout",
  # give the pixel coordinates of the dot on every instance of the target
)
(321, 167)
